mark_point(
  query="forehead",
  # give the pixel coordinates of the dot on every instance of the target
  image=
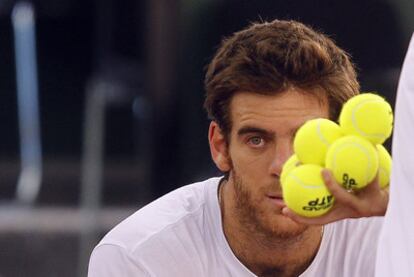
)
(291, 106)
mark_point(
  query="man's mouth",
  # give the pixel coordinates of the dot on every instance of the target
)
(277, 200)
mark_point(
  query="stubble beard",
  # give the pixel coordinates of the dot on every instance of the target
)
(256, 220)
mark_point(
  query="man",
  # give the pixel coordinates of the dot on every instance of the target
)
(262, 85)
(396, 244)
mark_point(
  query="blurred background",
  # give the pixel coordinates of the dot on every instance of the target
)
(101, 106)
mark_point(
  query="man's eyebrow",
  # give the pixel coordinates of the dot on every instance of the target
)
(249, 130)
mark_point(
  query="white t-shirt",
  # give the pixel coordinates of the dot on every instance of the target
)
(180, 234)
(396, 244)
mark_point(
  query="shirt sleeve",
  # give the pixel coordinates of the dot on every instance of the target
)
(108, 260)
(395, 253)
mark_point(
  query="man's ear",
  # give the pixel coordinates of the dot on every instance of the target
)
(218, 147)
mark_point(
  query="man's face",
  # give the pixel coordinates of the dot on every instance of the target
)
(261, 140)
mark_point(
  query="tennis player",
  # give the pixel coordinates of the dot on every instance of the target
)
(262, 84)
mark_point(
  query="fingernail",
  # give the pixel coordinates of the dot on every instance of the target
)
(325, 174)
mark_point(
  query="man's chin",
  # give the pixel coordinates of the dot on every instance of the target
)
(282, 226)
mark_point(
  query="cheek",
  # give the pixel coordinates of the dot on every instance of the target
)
(248, 189)
(248, 160)
(255, 182)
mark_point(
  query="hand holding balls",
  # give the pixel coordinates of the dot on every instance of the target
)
(353, 162)
(304, 190)
(368, 117)
(352, 151)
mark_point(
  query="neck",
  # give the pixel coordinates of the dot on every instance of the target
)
(263, 253)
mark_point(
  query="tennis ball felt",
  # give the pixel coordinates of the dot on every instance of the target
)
(305, 193)
(385, 163)
(367, 115)
(290, 164)
(313, 139)
(353, 162)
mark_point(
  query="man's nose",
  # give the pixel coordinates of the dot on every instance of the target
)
(284, 149)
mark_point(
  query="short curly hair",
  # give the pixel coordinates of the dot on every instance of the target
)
(270, 57)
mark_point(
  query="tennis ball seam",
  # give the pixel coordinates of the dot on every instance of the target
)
(320, 134)
(383, 171)
(355, 122)
(364, 150)
(300, 182)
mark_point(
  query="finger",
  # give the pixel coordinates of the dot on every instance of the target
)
(373, 185)
(340, 194)
(300, 219)
(331, 216)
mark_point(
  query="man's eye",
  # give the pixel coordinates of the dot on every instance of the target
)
(256, 141)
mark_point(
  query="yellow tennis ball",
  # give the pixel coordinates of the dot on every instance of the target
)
(290, 164)
(367, 115)
(313, 139)
(305, 193)
(385, 163)
(353, 162)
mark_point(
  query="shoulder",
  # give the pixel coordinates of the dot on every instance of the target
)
(110, 260)
(165, 212)
(164, 227)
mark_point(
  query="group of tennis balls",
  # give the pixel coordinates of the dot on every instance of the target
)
(352, 150)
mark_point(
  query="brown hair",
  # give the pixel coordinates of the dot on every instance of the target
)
(267, 58)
